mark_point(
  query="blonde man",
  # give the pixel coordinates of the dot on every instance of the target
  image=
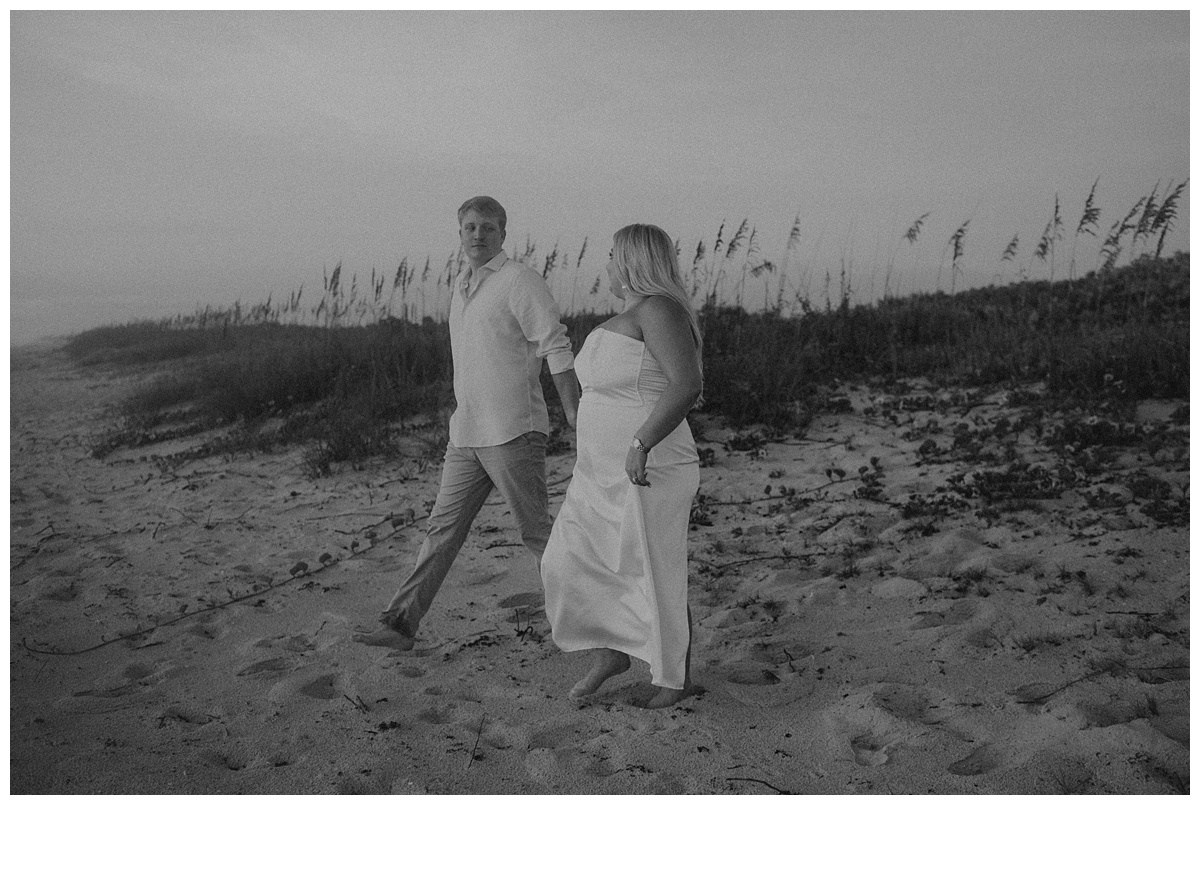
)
(503, 324)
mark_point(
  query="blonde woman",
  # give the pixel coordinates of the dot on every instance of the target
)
(615, 568)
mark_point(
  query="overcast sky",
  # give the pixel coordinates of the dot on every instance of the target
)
(163, 161)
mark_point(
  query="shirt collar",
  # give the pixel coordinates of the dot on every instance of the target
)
(498, 261)
(471, 279)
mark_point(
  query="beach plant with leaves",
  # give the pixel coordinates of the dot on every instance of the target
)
(792, 241)
(910, 236)
(1087, 222)
(1111, 250)
(1010, 251)
(731, 249)
(1166, 215)
(1121, 332)
(956, 243)
(1050, 236)
(727, 269)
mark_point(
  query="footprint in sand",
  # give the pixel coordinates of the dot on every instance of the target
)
(187, 714)
(438, 714)
(267, 605)
(563, 749)
(207, 630)
(270, 665)
(765, 663)
(549, 765)
(870, 750)
(134, 678)
(323, 687)
(880, 720)
(234, 761)
(137, 671)
(542, 764)
(298, 643)
(501, 735)
(908, 702)
(554, 737)
(479, 576)
(524, 607)
(309, 683)
(749, 673)
(958, 613)
(981, 761)
(65, 592)
(117, 691)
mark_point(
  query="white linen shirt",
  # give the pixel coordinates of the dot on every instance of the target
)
(503, 323)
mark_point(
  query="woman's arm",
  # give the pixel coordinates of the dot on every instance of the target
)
(567, 385)
(668, 336)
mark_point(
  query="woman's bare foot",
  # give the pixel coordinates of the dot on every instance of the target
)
(607, 663)
(667, 697)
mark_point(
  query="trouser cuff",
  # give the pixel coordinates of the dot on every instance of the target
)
(395, 621)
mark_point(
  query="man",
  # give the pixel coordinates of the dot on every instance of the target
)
(503, 323)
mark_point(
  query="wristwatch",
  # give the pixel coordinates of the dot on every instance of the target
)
(640, 446)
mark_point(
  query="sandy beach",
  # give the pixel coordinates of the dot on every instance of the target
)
(886, 605)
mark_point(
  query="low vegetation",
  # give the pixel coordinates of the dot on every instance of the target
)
(344, 387)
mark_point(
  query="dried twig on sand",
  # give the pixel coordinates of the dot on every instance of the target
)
(297, 573)
(764, 783)
(478, 734)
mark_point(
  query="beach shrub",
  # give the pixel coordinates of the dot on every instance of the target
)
(1111, 337)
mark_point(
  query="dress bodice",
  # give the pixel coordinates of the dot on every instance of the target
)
(619, 369)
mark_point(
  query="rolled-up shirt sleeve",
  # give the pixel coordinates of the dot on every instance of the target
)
(537, 314)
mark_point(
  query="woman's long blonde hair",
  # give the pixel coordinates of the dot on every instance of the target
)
(647, 265)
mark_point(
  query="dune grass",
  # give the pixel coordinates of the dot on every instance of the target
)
(338, 389)
(346, 390)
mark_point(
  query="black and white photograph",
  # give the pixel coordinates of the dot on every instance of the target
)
(600, 403)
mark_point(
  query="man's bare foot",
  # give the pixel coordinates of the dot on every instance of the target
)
(386, 637)
(667, 697)
(607, 663)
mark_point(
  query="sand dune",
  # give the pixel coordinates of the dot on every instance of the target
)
(884, 606)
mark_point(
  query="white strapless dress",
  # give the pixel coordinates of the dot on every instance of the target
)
(615, 568)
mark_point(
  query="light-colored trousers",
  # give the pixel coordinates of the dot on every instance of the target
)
(518, 469)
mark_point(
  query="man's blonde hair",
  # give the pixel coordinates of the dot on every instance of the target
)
(484, 206)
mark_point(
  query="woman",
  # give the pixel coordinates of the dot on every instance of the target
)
(615, 568)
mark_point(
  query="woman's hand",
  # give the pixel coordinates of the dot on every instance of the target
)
(635, 467)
